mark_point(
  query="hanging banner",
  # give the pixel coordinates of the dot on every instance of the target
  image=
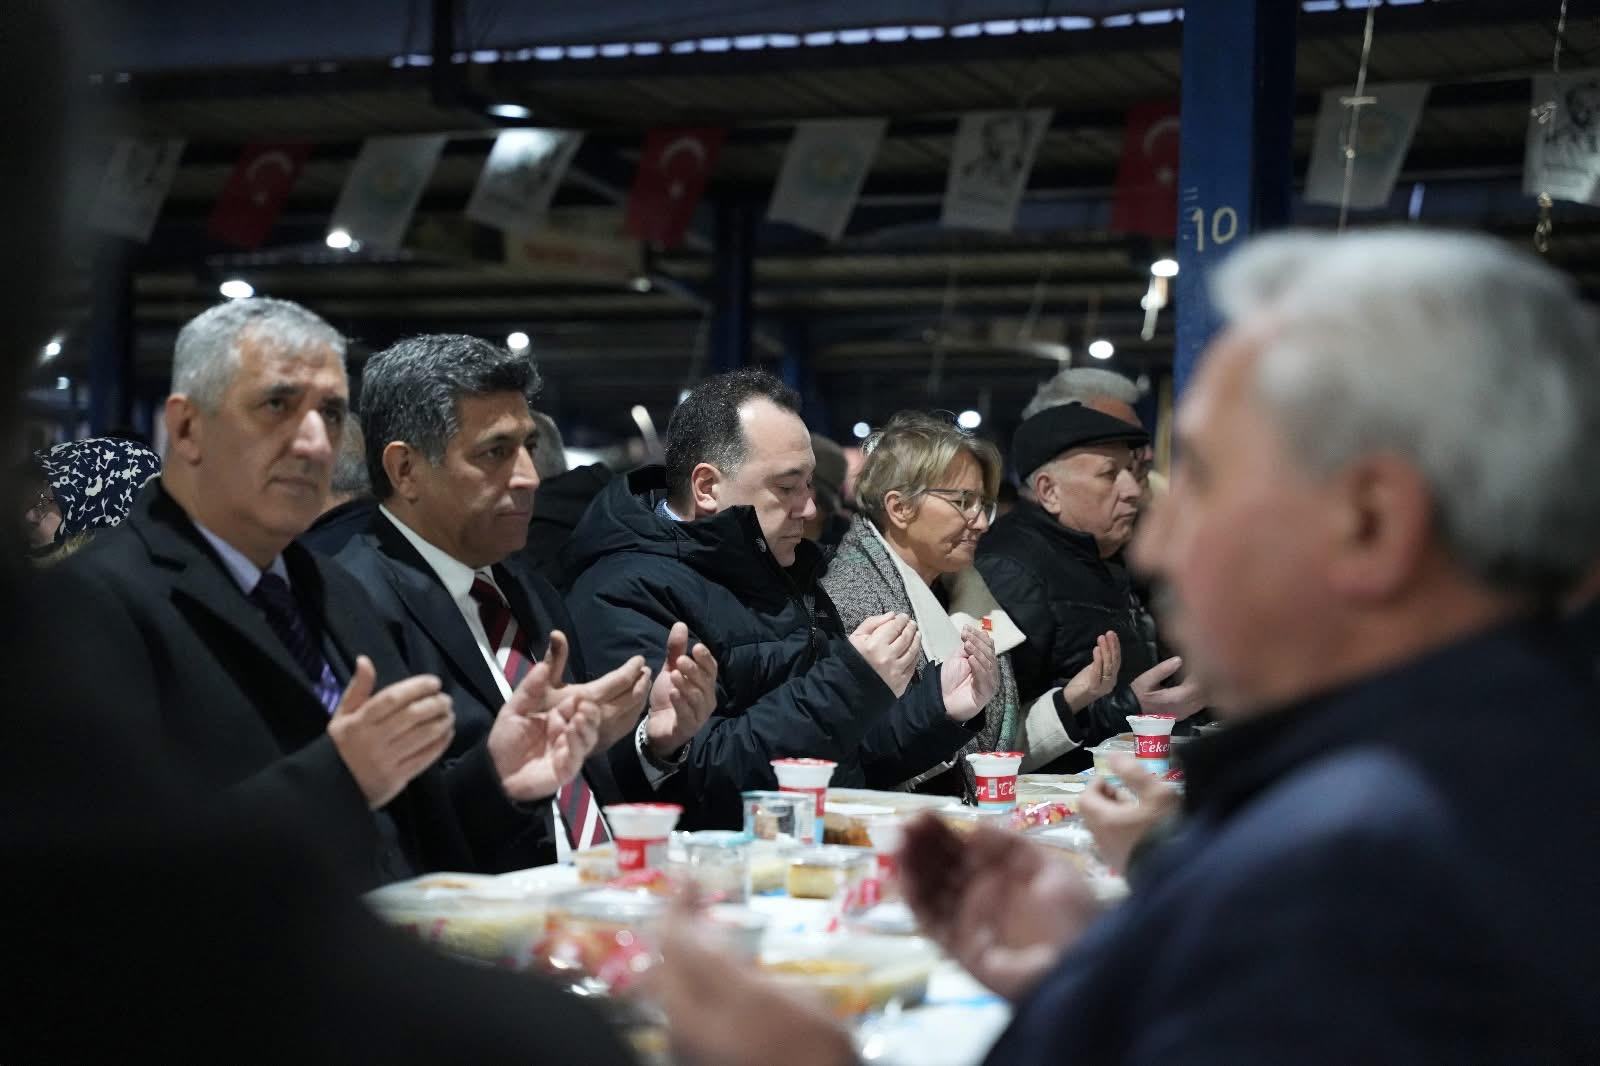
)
(256, 191)
(1383, 137)
(672, 176)
(1563, 154)
(823, 171)
(383, 189)
(520, 178)
(1147, 177)
(135, 185)
(578, 244)
(989, 168)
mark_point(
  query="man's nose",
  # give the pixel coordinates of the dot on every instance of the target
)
(524, 475)
(314, 439)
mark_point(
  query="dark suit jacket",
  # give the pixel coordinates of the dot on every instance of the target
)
(336, 527)
(421, 619)
(196, 664)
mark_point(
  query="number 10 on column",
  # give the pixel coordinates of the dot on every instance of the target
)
(1221, 225)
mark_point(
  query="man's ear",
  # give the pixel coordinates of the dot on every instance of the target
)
(184, 430)
(1047, 491)
(705, 490)
(401, 462)
(1383, 524)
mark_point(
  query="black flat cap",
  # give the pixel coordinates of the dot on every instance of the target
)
(1058, 429)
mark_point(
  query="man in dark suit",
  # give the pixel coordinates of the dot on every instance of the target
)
(259, 664)
(449, 442)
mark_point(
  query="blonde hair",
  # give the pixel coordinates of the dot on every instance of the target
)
(911, 454)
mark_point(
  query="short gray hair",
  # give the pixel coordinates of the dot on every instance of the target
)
(410, 392)
(350, 464)
(207, 351)
(1477, 363)
(550, 457)
(1081, 384)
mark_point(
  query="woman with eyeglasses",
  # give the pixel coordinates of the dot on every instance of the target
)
(926, 494)
(79, 488)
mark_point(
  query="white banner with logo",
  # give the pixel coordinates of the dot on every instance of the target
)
(135, 185)
(823, 171)
(989, 168)
(1563, 155)
(384, 186)
(1383, 136)
(524, 169)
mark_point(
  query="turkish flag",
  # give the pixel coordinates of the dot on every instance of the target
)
(256, 190)
(1147, 179)
(672, 174)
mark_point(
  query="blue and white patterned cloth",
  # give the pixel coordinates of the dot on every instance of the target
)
(94, 481)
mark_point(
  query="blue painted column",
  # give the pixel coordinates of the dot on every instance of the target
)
(732, 285)
(1237, 142)
(111, 338)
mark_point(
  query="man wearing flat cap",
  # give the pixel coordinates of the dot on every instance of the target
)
(1054, 563)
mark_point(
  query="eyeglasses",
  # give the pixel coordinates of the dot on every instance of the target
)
(972, 505)
(45, 500)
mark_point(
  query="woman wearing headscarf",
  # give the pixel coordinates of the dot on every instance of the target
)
(90, 484)
(925, 496)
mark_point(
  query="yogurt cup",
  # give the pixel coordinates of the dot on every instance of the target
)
(996, 772)
(810, 777)
(641, 831)
(1153, 740)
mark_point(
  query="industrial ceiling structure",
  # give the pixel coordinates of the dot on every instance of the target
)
(899, 312)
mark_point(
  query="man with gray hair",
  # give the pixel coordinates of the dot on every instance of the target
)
(1378, 507)
(1100, 390)
(451, 442)
(1055, 564)
(260, 663)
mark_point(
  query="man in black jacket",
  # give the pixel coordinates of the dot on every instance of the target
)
(260, 664)
(716, 540)
(1052, 564)
(449, 441)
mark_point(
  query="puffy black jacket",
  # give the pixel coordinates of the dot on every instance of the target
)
(558, 506)
(1054, 585)
(789, 683)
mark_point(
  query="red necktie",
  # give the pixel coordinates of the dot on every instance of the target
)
(575, 801)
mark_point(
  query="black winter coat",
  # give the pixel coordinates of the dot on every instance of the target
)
(789, 682)
(1054, 585)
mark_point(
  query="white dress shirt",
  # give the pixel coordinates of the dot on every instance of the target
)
(246, 573)
(457, 578)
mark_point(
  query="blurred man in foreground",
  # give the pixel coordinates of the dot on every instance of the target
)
(1376, 514)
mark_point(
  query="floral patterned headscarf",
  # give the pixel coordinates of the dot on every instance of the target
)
(94, 481)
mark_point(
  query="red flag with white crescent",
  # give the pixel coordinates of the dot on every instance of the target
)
(673, 171)
(256, 191)
(1147, 180)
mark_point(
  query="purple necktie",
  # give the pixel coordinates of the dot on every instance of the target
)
(277, 602)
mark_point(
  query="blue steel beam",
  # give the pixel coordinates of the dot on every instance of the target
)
(1237, 147)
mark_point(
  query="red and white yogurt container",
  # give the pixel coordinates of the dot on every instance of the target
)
(641, 831)
(809, 776)
(1152, 740)
(996, 772)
